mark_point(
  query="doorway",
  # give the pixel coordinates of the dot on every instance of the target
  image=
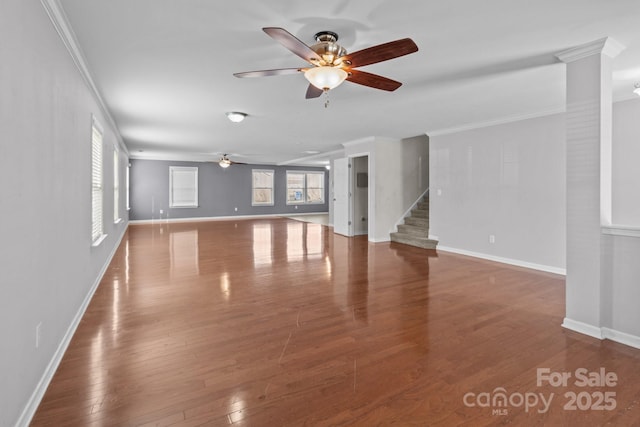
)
(351, 196)
(360, 199)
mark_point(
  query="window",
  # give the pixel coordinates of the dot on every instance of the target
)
(97, 227)
(262, 186)
(183, 187)
(127, 177)
(116, 186)
(315, 187)
(305, 187)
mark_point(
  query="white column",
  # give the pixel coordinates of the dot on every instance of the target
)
(589, 118)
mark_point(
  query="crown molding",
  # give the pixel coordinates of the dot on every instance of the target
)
(56, 14)
(606, 46)
(366, 139)
(320, 156)
(500, 121)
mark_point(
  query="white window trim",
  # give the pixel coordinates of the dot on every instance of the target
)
(273, 190)
(194, 169)
(116, 186)
(304, 188)
(127, 179)
(97, 183)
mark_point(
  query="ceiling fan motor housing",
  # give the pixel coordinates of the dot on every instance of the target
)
(327, 47)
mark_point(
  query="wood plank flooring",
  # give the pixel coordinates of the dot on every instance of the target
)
(282, 323)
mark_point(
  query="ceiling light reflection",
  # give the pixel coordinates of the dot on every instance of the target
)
(225, 285)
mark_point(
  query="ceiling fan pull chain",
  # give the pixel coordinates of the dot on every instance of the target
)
(326, 100)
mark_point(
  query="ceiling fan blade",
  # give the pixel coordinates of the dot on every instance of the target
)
(265, 73)
(313, 92)
(373, 80)
(379, 53)
(237, 163)
(292, 43)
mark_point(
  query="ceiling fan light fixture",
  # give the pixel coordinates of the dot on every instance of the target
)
(637, 89)
(224, 162)
(326, 77)
(236, 116)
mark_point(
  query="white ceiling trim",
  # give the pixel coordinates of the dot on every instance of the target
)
(358, 141)
(606, 46)
(61, 24)
(319, 156)
(175, 156)
(501, 121)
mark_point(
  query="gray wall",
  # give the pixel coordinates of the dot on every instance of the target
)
(507, 181)
(48, 264)
(220, 191)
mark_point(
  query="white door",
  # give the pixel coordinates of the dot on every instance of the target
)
(341, 194)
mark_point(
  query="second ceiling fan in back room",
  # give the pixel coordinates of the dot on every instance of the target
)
(225, 162)
(331, 64)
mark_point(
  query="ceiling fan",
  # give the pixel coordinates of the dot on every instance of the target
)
(331, 64)
(225, 162)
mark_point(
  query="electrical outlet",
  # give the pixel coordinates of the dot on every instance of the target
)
(235, 209)
(161, 211)
(38, 334)
(492, 238)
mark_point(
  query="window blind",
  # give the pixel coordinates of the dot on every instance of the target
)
(183, 187)
(97, 227)
(262, 183)
(116, 186)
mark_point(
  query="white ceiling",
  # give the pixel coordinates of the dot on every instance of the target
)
(165, 68)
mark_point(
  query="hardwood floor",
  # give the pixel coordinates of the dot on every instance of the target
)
(279, 322)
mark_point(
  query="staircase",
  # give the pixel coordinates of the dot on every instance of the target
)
(415, 230)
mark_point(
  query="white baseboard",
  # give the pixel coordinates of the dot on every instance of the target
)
(36, 397)
(621, 337)
(303, 214)
(583, 328)
(220, 218)
(516, 262)
(602, 333)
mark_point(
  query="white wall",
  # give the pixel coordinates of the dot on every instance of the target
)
(621, 293)
(415, 168)
(388, 187)
(507, 181)
(397, 177)
(47, 262)
(626, 162)
(621, 247)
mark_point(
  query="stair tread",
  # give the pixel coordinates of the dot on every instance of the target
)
(415, 230)
(420, 213)
(408, 239)
(417, 220)
(418, 230)
(401, 234)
